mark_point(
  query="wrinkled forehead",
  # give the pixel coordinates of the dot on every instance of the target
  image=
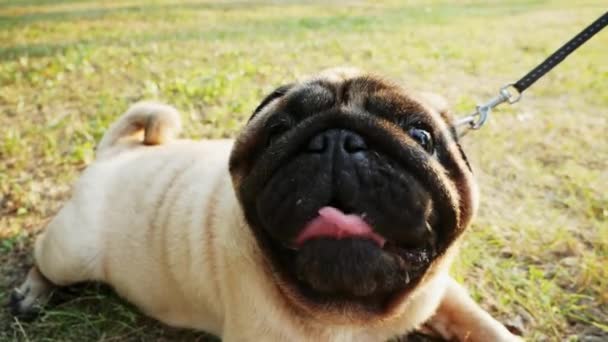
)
(344, 88)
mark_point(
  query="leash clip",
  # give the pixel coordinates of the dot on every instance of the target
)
(483, 111)
(504, 95)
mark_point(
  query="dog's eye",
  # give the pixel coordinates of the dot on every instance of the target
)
(423, 137)
(276, 129)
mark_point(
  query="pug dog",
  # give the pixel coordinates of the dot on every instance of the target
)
(333, 216)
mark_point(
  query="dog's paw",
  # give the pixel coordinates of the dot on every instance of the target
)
(22, 305)
(27, 301)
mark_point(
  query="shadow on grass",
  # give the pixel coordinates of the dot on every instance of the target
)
(94, 312)
(97, 313)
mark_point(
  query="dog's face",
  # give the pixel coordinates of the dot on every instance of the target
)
(354, 190)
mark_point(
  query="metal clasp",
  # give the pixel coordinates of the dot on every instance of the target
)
(482, 112)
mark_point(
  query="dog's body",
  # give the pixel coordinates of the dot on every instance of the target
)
(162, 223)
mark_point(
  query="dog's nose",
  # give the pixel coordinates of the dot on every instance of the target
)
(338, 140)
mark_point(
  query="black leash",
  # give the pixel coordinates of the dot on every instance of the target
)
(477, 119)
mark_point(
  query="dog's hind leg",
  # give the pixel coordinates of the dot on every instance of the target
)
(63, 256)
(27, 299)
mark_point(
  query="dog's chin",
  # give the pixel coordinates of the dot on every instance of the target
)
(352, 273)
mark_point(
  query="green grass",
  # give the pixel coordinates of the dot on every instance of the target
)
(538, 251)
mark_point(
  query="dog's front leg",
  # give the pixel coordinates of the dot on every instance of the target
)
(459, 317)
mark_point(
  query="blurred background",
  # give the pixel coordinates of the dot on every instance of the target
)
(536, 256)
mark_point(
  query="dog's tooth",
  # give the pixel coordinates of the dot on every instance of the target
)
(407, 277)
(290, 247)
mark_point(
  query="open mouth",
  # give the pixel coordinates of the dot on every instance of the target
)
(339, 257)
(334, 224)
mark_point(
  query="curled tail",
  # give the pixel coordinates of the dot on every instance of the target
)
(149, 123)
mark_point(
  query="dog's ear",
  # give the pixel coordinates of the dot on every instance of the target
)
(440, 104)
(436, 101)
(279, 92)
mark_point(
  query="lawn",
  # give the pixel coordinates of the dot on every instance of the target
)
(536, 256)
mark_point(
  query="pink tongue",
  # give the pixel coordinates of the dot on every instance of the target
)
(333, 223)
